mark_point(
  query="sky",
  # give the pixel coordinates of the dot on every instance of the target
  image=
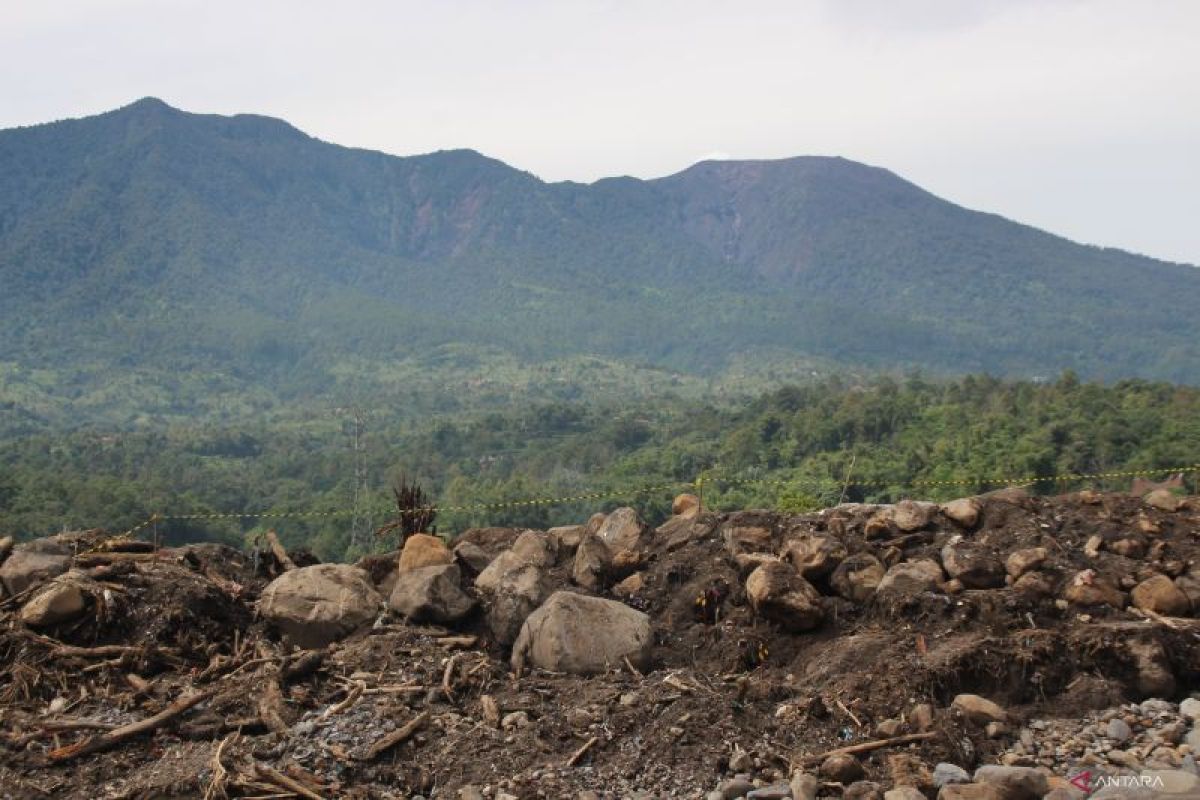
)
(1078, 116)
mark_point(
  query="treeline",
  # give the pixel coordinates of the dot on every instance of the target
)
(811, 445)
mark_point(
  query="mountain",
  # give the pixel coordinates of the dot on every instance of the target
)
(149, 238)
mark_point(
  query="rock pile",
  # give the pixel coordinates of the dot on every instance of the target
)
(998, 646)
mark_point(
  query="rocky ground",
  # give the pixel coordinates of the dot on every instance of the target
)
(1002, 646)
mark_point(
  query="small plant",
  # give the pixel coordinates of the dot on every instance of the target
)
(414, 511)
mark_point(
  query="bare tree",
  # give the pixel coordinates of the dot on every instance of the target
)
(414, 511)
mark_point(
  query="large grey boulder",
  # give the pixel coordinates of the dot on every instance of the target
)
(583, 635)
(313, 606)
(512, 588)
(431, 594)
(592, 562)
(623, 530)
(34, 563)
(61, 600)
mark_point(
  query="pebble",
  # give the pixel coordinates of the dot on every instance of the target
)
(1118, 730)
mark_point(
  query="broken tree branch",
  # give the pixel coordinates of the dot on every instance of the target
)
(118, 735)
(866, 747)
(396, 737)
(284, 782)
(581, 752)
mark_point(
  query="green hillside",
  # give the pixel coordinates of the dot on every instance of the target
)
(182, 257)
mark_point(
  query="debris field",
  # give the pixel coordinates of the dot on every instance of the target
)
(1001, 646)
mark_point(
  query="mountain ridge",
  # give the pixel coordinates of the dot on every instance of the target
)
(279, 252)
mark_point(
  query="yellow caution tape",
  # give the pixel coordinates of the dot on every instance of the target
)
(698, 485)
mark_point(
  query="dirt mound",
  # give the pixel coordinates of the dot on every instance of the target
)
(958, 634)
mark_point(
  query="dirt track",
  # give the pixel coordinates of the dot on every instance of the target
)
(730, 686)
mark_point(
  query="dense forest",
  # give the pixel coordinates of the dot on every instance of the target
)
(795, 448)
(162, 264)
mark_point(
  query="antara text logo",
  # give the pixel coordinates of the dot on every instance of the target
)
(1089, 783)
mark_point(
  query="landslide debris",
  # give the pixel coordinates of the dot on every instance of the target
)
(996, 646)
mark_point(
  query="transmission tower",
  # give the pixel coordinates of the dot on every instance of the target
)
(360, 524)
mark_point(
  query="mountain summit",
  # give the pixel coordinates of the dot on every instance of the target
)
(156, 237)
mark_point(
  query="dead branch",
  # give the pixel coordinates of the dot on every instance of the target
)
(396, 737)
(351, 698)
(303, 665)
(117, 735)
(454, 642)
(578, 754)
(284, 782)
(866, 747)
(220, 777)
(448, 678)
(270, 706)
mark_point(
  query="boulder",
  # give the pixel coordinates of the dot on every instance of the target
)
(33, 564)
(431, 594)
(1163, 500)
(910, 515)
(423, 550)
(1025, 560)
(685, 505)
(972, 565)
(804, 785)
(905, 769)
(978, 710)
(583, 635)
(313, 606)
(630, 586)
(594, 522)
(471, 556)
(945, 774)
(863, 790)
(911, 577)
(513, 588)
(1160, 595)
(1015, 783)
(963, 511)
(1189, 584)
(857, 577)
(567, 537)
(1033, 584)
(1089, 589)
(841, 768)
(748, 539)
(623, 529)
(592, 563)
(63, 599)
(1154, 677)
(814, 555)
(537, 548)
(777, 592)
(904, 793)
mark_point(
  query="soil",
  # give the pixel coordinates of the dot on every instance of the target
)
(734, 687)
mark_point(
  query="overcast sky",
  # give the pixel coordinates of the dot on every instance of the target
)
(1078, 116)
